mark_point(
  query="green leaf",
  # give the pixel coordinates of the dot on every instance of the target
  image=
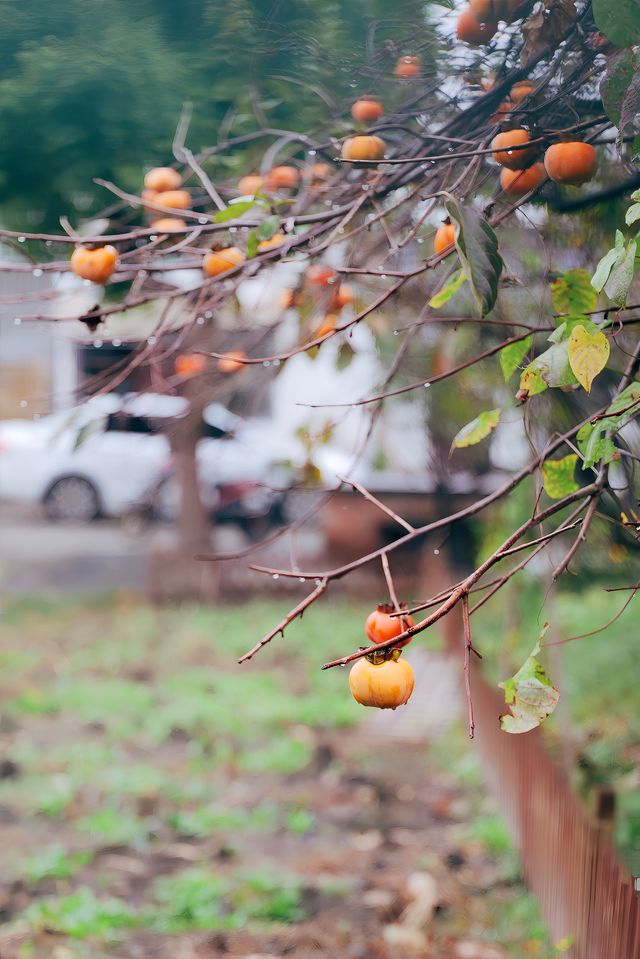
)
(588, 354)
(632, 214)
(233, 211)
(268, 228)
(476, 430)
(603, 269)
(530, 695)
(594, 445)
(563, 331)
(551, 368)
(621, 275)
(621, 67)
(573, 293)
(512, 355)
(252, 243)
(445, 292)
(622, 407)
(619, 20)
(477, 247)
(558, 476)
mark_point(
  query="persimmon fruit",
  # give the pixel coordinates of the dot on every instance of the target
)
(190, 364)
(219, 261)
(380, 625)
(282, 178)
(231, 362)
(162, 178)
(367, 110)
(521, 90)
(572, 163)
(168, 224)
(407, 68)
(386, 685)
(513, 159)
(344, 296)
(363, 148)
(174, 199)
(320, 275)
(250, 184)
(473, 31)
(327, 326)
(96, 265)
(444, 238)
(271, 243)
(519, 182)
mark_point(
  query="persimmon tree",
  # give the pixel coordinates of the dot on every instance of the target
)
(472, 139)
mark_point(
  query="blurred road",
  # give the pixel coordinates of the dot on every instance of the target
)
(36, 555)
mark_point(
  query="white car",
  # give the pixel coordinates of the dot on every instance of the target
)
(104, 457)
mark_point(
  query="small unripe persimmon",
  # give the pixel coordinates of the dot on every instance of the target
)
(386, 685)
(473, 31)
(282, 178)
(507, 157)
(573, 163)
(444, 238)
(96, 265)
(367, 110)
(162, 178)
(407, 68)
(250, 185)
(219, 261)
(363, 148)
(519, 182)
(174, 199)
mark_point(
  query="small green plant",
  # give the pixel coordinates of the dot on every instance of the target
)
(192, 899)
(54, 862)
(81, 915)
(113, 827)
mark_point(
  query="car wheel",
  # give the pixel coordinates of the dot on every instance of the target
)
(72, 498)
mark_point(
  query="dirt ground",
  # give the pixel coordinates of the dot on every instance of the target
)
(299, 827)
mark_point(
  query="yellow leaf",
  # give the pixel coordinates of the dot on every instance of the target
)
(588, 355)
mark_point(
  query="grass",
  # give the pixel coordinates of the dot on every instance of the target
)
(136, 731)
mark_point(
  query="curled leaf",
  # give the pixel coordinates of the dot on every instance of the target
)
(476, 430)
(477, 247)
(446, 291)
(530, 695)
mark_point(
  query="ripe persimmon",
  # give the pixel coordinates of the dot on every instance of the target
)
(328, 325)
(231, 362)
(519, 182)
(363, 148)
(168, 224)
(174, 199)
(407, 68)
(282, 178)
(573, 163)
(344, 296)
(381, 626)
(250, 185)
(386, 685)
(190, 364)
(367, 110)
(219, 261)
(513, 159)
(488, 10)
(320, 171)
(96, 265)
(444, 238)
(473, 31)
(320, 275)
(521, 90)
(162, 178)
(271, 243)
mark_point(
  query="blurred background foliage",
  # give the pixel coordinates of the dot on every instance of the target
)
(90, 89)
